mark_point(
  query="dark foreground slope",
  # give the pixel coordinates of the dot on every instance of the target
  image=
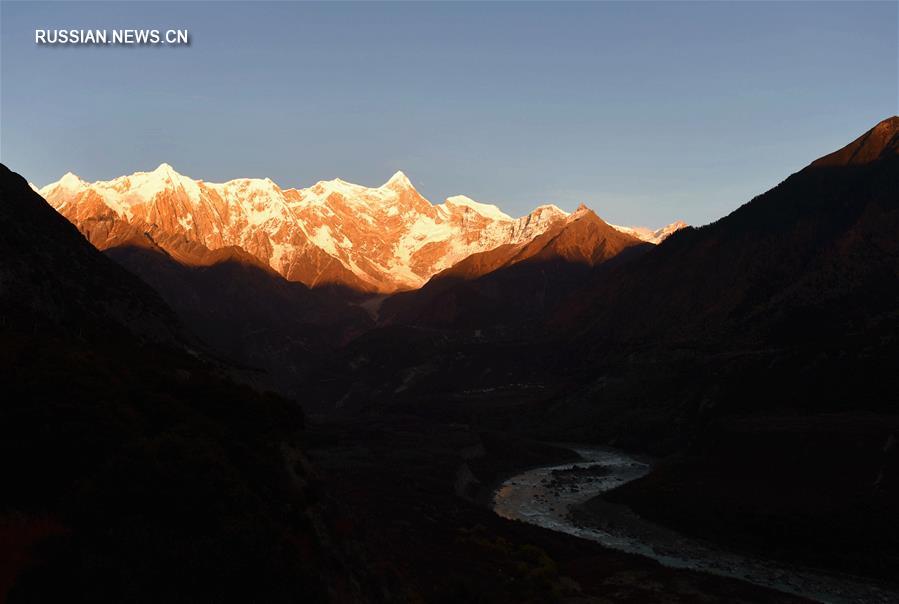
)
(789, 302)
(133, 471)
(763, 349)
(821, 245)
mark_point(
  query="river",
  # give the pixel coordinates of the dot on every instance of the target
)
(549, 497)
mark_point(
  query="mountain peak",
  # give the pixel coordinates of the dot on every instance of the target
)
(70, 179)
(165, 169)
(484, 209)
(547, 212)
(879, 142)
(890, 124)
(70, 182)
(585, 214)
(399, 179)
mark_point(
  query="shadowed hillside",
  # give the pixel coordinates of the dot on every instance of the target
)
(248, 313)
(133, 471)
(763, 350)
(821, 244)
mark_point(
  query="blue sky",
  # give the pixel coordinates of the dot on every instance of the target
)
(648, 112)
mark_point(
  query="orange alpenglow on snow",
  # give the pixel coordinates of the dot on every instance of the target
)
(370, 239)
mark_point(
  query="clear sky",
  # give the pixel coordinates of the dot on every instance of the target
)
(648, 112)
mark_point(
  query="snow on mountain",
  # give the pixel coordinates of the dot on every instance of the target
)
(491, 211)
(378, 239)
(652, 236)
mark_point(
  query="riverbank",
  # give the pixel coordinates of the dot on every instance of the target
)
(816, 491)
(396, 476)
(576, 506)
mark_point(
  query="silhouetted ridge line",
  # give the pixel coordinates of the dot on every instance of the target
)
(879, 142)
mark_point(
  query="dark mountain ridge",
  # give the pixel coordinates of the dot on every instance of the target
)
(133, 469)
(86, 294)
(823, 238)
(761, 350)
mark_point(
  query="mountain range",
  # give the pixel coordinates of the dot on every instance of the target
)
(334, 233)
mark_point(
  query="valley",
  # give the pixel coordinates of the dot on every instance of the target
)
(360, 369)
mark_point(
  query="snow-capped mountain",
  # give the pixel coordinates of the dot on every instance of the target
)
(652, 236)
(377, 239)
